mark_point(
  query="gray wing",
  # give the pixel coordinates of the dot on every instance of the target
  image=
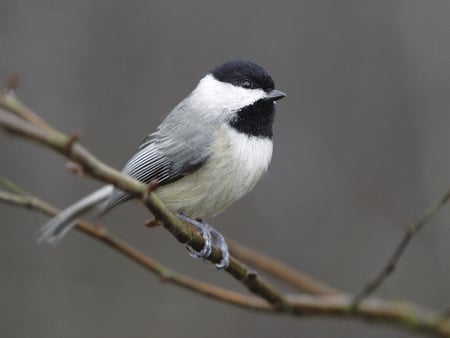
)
(180, 145)
(166, 159)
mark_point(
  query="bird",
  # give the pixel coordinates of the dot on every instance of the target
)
(206, 154)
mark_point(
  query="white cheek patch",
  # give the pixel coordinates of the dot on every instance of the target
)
(222, 97)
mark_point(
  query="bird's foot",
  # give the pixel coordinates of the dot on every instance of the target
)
(211, 237)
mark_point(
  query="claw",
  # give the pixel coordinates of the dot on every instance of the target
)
(220, 242)
(207, 247)
(210, 236)
(206, 234)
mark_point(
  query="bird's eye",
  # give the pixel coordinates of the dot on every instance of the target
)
(247, 84)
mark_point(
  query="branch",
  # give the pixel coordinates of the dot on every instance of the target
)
(399, 314)
(10, 102)
(28, 201)
(281, 271)
(391, 264)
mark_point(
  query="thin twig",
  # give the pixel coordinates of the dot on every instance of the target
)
(11, 186)
(391, 264)
(10, 102)
(280, 270)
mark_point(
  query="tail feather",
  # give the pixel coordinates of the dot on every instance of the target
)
(58, 226)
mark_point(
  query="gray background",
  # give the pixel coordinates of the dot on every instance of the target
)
(361, 148)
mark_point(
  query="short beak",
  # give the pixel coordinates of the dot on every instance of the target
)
(275, 95)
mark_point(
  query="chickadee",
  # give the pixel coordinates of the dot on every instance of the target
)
(207, 153)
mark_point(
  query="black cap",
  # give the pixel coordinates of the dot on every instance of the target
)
(245, 74)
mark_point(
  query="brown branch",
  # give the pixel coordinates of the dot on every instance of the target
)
(281, 271)
(28, 201)
(399, 314)
(391, 264)
(372, 309)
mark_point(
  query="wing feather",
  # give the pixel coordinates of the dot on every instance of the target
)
(174, 150)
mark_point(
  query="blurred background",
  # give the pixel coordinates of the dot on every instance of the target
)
(361, 149)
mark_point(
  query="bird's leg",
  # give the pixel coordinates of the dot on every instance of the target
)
(211, 237)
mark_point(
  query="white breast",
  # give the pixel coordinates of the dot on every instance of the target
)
(235, 166)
